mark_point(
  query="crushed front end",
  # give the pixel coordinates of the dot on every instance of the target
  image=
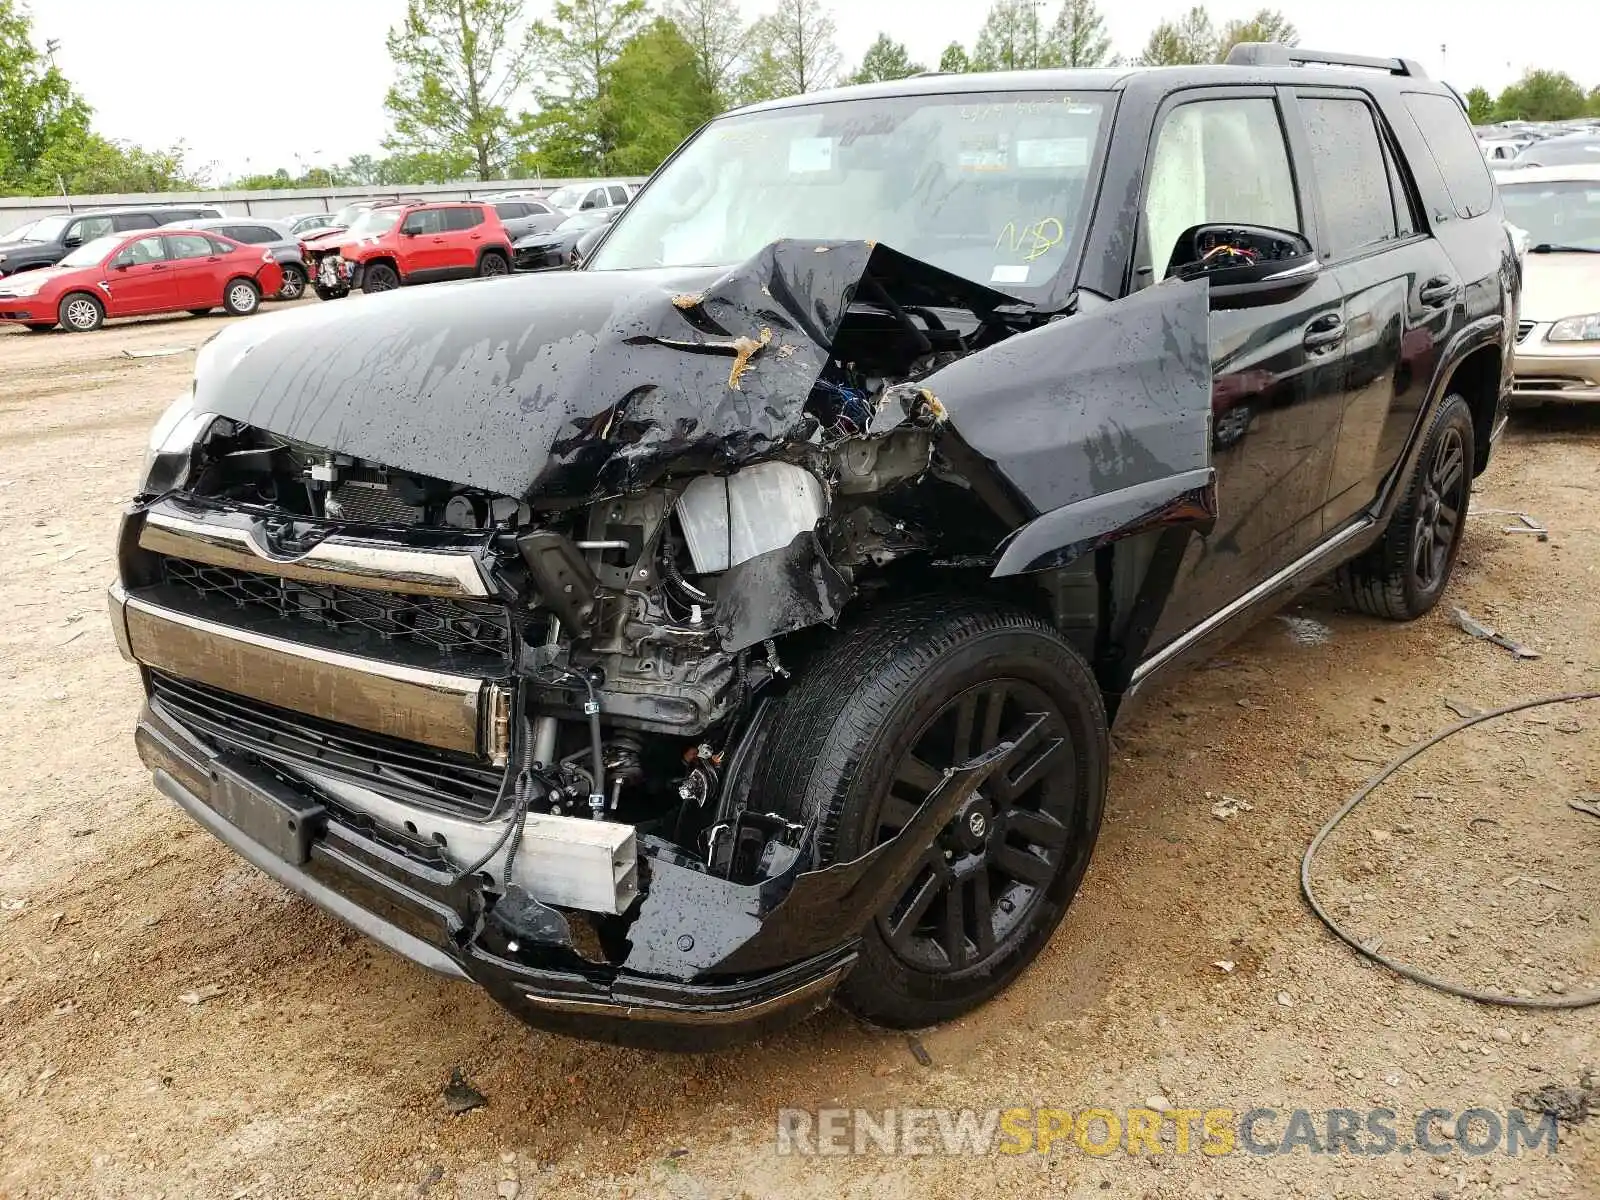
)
(487, 675)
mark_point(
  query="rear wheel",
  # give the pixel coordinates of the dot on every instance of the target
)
(1404, 575)
(241, 297)
(380, 277)
(493, 264)
(294, 283)
(863, 739)
(80, 312)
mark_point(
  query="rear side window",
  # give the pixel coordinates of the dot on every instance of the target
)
(129, 221)
(619, 195)
(457, 219)
(1352, 176)
(188, 245)
(253, 234)
(1444, 127)
(218, 246)
(511, 210)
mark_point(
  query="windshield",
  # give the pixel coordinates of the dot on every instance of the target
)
(47, 230)
(1563, 214)
(19, 233)
(373, 221)
(90, 253)
(987, 186)
(566, 197)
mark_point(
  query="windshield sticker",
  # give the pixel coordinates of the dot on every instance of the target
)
(1052, 152)
(1009, 274)
(1033, 240)
(810, 155)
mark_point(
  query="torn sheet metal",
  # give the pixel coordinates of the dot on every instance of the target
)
(1101, 422)
(565, 384)
(778, 592)
(691, 923)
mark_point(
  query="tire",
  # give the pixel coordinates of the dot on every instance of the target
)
(294, 283)
(79, 312)
(857, 743)
(380, 277)
(1404, 575)
(493, 263)
(199, 312)
(327, 293)
(241, 297)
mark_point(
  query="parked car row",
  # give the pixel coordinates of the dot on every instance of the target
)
(1518, 144)
(137, 274)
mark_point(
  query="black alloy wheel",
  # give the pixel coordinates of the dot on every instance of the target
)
(1440, 508)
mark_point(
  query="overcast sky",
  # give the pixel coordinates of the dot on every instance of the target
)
(250, 84)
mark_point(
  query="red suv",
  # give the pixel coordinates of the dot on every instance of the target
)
(399, 244)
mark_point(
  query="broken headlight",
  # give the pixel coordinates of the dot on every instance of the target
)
(729, 519)
(166, 455)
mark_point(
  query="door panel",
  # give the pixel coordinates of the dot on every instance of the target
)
(197, 271)
(145, 285)
(426, 252)
(1277, 369)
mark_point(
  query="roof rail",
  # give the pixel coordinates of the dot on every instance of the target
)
(1276, 54)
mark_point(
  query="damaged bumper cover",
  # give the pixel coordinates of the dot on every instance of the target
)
(708, 962)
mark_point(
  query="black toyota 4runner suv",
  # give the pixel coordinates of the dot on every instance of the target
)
(735, 622)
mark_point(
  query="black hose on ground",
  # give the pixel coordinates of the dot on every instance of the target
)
(1580, 1000)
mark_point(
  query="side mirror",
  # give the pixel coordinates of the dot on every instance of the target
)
(587, 205)
(585, 244)
(121, 264)
(409, 231)
(72, 241)
(1245, 264)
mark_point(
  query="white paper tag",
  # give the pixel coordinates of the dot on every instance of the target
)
(1009, 274)
(807, 155)
(1046, 153)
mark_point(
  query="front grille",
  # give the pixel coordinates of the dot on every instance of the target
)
(449, 626)
(404, 771)
(1524, 328)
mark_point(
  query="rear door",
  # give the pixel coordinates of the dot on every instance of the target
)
(463, 237)
(139, 279)
(197, 270)
(1221, 155)
(1399, 290)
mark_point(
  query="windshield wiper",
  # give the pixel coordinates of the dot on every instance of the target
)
(1558, 248)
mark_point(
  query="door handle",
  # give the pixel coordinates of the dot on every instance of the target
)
(1324, 333)
(439, 241)
(158, 266)
(1439, 290)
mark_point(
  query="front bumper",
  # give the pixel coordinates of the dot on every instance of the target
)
(547, 257)
(418, 909)
(26, 310)
(1549, 372)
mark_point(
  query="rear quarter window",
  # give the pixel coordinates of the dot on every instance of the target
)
(1455, 151)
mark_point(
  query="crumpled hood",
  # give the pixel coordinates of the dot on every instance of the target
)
(565, 384)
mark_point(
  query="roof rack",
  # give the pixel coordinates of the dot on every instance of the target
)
(1276, 54)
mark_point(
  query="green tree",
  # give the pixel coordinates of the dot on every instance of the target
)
(1480, 106)
(575, 128)
(885, 59)
(1268, 25)
(795, 51)
(954, 60)
(656, 95)
(91, 164)
(1190, 39)
(716, 33)
(1542, 95)
(1011, 38)
(459, 65)
(1594, 102)
(39, 111)
(1078, 37)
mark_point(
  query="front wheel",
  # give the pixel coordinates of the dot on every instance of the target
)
(241, 298)
(294, 283)
(81, 313)
(1404, 575)
(863, 739)
(380, 277)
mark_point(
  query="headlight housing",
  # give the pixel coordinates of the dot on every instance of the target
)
(1585, 328)
(166, 455)
(21, 285)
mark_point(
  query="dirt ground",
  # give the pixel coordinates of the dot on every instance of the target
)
(316, 1070)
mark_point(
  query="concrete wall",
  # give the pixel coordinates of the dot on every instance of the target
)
(18, 210)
